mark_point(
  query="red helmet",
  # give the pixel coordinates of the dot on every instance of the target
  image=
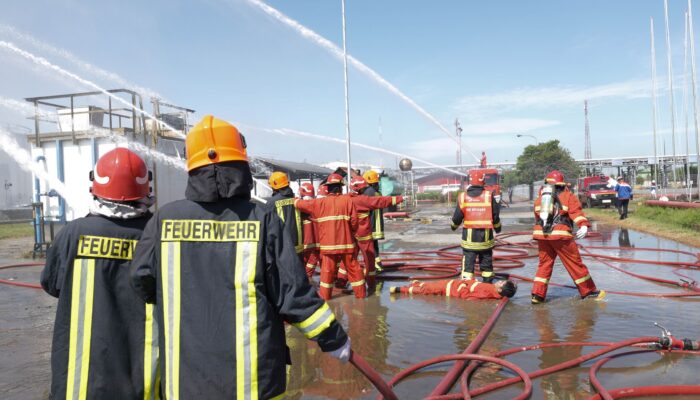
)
(306, 189)
(477, 178)
(322, 191)
(120, 175)
(555, 178)
(358, 183)
(334, 179)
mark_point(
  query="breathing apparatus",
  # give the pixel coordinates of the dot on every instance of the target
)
(549, 207)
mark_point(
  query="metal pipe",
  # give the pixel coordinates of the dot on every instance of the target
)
(60, 174)
(695, 99)
(688, 189)
(670, 90)
(38, 213)
(653, 100)
(347, 101)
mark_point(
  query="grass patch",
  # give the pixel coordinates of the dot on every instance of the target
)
(679, 224)
(22, 229)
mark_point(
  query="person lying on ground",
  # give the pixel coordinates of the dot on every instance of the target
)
(462, 288)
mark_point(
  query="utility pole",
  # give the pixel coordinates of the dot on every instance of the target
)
(670, 90)
(653, 100)
(587, 151)
(695, 99)
(347, 101)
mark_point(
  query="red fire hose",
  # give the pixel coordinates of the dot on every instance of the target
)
(18, 283)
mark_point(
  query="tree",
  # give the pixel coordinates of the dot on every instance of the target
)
(537, 161)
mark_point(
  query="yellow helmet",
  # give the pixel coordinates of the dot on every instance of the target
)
(214, 141)
(278, 180)
(371, 176)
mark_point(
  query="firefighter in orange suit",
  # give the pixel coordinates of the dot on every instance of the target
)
(478, 212)
(311, 255)
(461, 288)
(365, 205)
(337, 222)
(557, 211)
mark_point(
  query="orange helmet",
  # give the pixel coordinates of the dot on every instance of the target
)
(358, 183)
(334, 179)
(120, 175)
(306, 189)
(555, 178)
(371, 176)
(477, 178)
(278, 180)
(214, 141)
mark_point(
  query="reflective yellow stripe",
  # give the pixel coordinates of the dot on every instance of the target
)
(461, 285)
(319, 321)
(483, 222)
(486, 274)
(498, 225)
(310, 266)
(537, 208)
(473, 286)
(580, 218)
(310, 246)
(542, 280)
(246, 321)
(466, 244)
(150, 355)
(300, 235)
(564, 207)
(342, 271)
(82, 297)
(326, 285)
(338, 247)
(448, 289)
(363, 238)
(357, 283)
(393, 200)
(538, 232)
(170, 270)
(279, 397)
(362, 215)
(581, 280)
(333, 218)
(410, 290)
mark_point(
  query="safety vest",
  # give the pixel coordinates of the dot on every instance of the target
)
(477, 210)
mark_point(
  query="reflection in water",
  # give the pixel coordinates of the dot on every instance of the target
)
(316, 375)
(623, 238)
(564, 385)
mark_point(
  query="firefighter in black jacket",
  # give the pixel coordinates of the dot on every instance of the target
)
(282, 203)
(377, 216)
(225, 277)
(105, 339)
(478, 212)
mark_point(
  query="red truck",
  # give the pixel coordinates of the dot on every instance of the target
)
(593, 191)
(492, 182)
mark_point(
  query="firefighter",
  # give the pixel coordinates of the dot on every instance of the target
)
(337, 222)
(105, 339)
(282, 202)
(478, 212)
(624, 195)
(557, 211)
(226, 278)
(365, 205)
(462, 288)
(377, 216)
(311, 254)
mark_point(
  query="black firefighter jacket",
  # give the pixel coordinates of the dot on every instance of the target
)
(377, 215)
(225, 278)
(282, 203)
(104, 334)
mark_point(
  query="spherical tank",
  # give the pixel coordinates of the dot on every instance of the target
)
(405, 165)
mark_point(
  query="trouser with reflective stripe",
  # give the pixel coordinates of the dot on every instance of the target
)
(377, 257)
(485, 258)
(329, 265)
(368, 256)
(570, 257)
(435, 288)
(312, 259)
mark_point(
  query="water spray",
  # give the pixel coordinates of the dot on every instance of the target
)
(364, 69)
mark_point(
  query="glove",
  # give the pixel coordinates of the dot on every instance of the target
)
(342, 353)
(498, 230)
(454, 227)
(581, 233)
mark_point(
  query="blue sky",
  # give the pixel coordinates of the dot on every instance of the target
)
(501, 67)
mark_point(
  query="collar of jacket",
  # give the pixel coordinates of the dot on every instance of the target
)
(284, 192)
(216, 182)
(474, 191)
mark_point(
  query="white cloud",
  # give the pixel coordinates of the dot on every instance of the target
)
(508, 125)
(555, 96)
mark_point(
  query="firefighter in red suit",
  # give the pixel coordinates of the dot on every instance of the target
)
(557, 211)
(365, 244)
(311, 256)
(478, 212)
(462, 288)
(337, 222)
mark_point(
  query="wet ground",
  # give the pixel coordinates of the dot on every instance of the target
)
(393, 332)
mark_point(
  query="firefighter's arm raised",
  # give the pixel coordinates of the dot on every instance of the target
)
(145, 262)
(291, 294)
(58, 258)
